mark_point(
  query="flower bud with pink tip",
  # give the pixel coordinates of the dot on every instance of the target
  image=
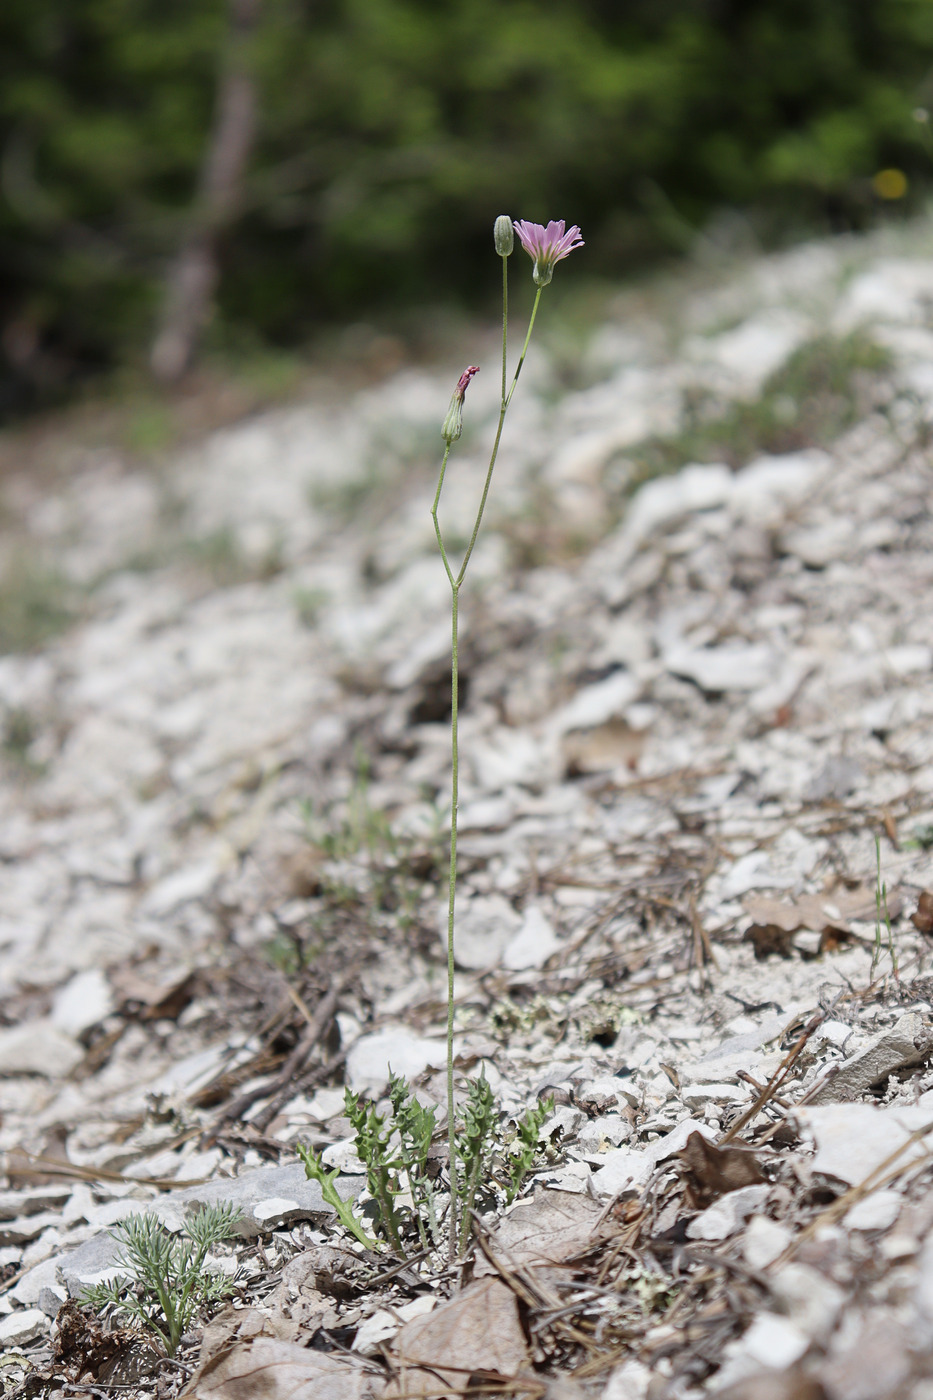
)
(453, 423)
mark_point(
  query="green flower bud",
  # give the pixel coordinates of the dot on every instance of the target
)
(453, 423)
(503, 235)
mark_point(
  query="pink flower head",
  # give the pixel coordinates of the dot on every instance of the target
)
(453, 423)
(547, 246)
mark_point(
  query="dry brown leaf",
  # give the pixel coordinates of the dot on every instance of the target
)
(922, 920)
(236, 1326)
(265, 1368)
(712, 1171)
(554, 1227)
(477, 1332)
(774, 1385)
(84, 1348)
(164, 1000)
(298, 1305)
(611, 745)
(774, 921)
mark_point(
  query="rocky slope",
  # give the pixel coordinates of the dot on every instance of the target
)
(697, 725)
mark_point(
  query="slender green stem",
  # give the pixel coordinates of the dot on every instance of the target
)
(452, 894)
(506, 400)
(505, 318)
(456, 581)
(437, 528)
(521, 359)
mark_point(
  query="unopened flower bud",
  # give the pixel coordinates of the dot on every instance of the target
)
(453, 423)
(503, 235)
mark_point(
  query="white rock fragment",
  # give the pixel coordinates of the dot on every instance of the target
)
(768, 485)
(696, 1095)
(372, 1056)
(598, 703)
(771, 1343)
(29, 1287)
(811, 1301)
(28, 1227)
(629, 1381)
(33, 1199)
(905, 1043)
(755, 349)
(383, 1324)
(573, 1179)
(737, 667)
(286, 1191)
(764, 1241)
(505, 757)
(625, 1169)
(834, 1033)
(597, 1135)
(187, 1075)
(754, 871)
(877, 1211)
(324, 1105)
(602, 1092)
(82, 1002)
(274, 1211)
(533, 944)
(565, 1122)
(668, 498)
(892, 291)
(486, 925)
(97, 1260)
(819, 545)
(191, 882)
(923, 1288)
(728, 1214)
(854, 1139)
(50, 1301)
(38, 1047)
(870, 1354)
(895, 1245)
(24, 1326)
(737, 1053)
(487, 814)
(343, 1155)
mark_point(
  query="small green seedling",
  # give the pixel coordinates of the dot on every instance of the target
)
(373, 1148)
(921, 839)
(395, 1149)
(881, 914)
(529, 1128)
(474, 1148)
(416, 1126)
(395, 1155)
(315, 1170)
(167, 1282)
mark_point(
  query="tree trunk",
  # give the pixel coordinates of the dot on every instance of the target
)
(192, 277)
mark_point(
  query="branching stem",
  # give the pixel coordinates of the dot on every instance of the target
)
(456, 581)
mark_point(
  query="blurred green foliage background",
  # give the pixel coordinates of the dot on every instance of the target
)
(391, 132)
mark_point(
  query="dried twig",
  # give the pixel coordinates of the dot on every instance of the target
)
(776, 1080)
(282, 1086)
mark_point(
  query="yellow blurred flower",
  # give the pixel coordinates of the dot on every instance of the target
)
(889, 184)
